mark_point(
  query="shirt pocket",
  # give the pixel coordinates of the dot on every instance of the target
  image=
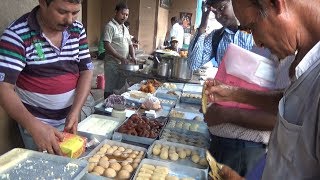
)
(287, 138)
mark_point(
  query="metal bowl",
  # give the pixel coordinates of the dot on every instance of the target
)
(129, 67)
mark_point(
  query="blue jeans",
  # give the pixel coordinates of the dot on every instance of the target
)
(28, 140)
(238, 154)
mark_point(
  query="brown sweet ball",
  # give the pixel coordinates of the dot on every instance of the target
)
(124, 155)
(136, 152)
(135, 165)
(121, 149)
(91, 166)
(116, 166)
(98, 169)
(104, 158)
(137, 160)
(114, 147)
(111, 161)
(117, 153)
(203, 162)
(182, 154)
(128, 151)
(124, 174)
(93, 160)
(124, 163)
(110, 173)
(107, 146)
(173, 156)
(97, 156)
(104, 163)
(103, 149)
(195, 158)
(141, 153)
(127, 167)
(130, 160)
(110, 151)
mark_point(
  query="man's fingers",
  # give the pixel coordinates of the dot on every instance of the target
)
(74, 128)
(50, 150)
(56, 148)
(59, 135)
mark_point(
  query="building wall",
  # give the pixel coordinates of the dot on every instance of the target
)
(162, 26)
(147, 17)
(178, 6)
(94, 21)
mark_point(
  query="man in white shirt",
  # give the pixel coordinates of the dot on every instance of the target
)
(177, 31)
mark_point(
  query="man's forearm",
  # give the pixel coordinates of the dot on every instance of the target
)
(132, 52)
(13, 106)
(82, 91)
(268, 101)
(254, 119)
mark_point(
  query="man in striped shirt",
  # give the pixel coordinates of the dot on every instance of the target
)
(45, 72)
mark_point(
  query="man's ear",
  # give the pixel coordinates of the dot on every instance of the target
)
(279, 6)
(43, 3)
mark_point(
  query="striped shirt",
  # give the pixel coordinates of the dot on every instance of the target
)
(201, 52)
(45, 76)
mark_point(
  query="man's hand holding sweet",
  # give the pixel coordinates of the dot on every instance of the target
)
(46, 137)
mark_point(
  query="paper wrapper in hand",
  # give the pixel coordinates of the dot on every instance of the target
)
(204, 100)
(72, 146)
(214, 166)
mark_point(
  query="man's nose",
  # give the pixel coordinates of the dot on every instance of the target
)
(69, 19)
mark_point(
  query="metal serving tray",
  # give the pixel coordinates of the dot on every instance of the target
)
(111, 143)
(163, 94)
(142, 140)
(27, 164)
(184, 124)
(92, 122)
(186, 137)
(135, 87)
(187, 114)
(191, 100)
(185, 162)
(193, 88)
(180, 87)
(175, 169)
(189, 107)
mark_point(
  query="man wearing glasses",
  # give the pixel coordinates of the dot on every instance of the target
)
(287, 27)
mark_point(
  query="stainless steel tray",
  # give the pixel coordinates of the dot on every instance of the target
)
(188, 125)
(111, 143)
(193, 88)
(179, 86)
(142, 140)
(186, 137)
(191, 98)
(188, 107)
(187, 114)
(175, 169)
(85, 125)
(27, 164)
(185, 162)
(161, 93)
(167, 102)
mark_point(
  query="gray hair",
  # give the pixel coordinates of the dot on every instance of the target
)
(260, 5)
(71, 1)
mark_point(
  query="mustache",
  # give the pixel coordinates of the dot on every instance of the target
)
(65, 25)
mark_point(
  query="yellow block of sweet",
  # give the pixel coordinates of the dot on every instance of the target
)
(72, 145)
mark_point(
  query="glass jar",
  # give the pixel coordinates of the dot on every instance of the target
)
(119, 112)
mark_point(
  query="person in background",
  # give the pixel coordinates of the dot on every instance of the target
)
(237, 145)
(118, 45)
(46, 73)
(177, 31)
(206, 47)
(173, 44)
(280, 25)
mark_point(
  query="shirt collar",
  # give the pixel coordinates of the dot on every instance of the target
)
(116, 22)
(229, 31)
(309, 59)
